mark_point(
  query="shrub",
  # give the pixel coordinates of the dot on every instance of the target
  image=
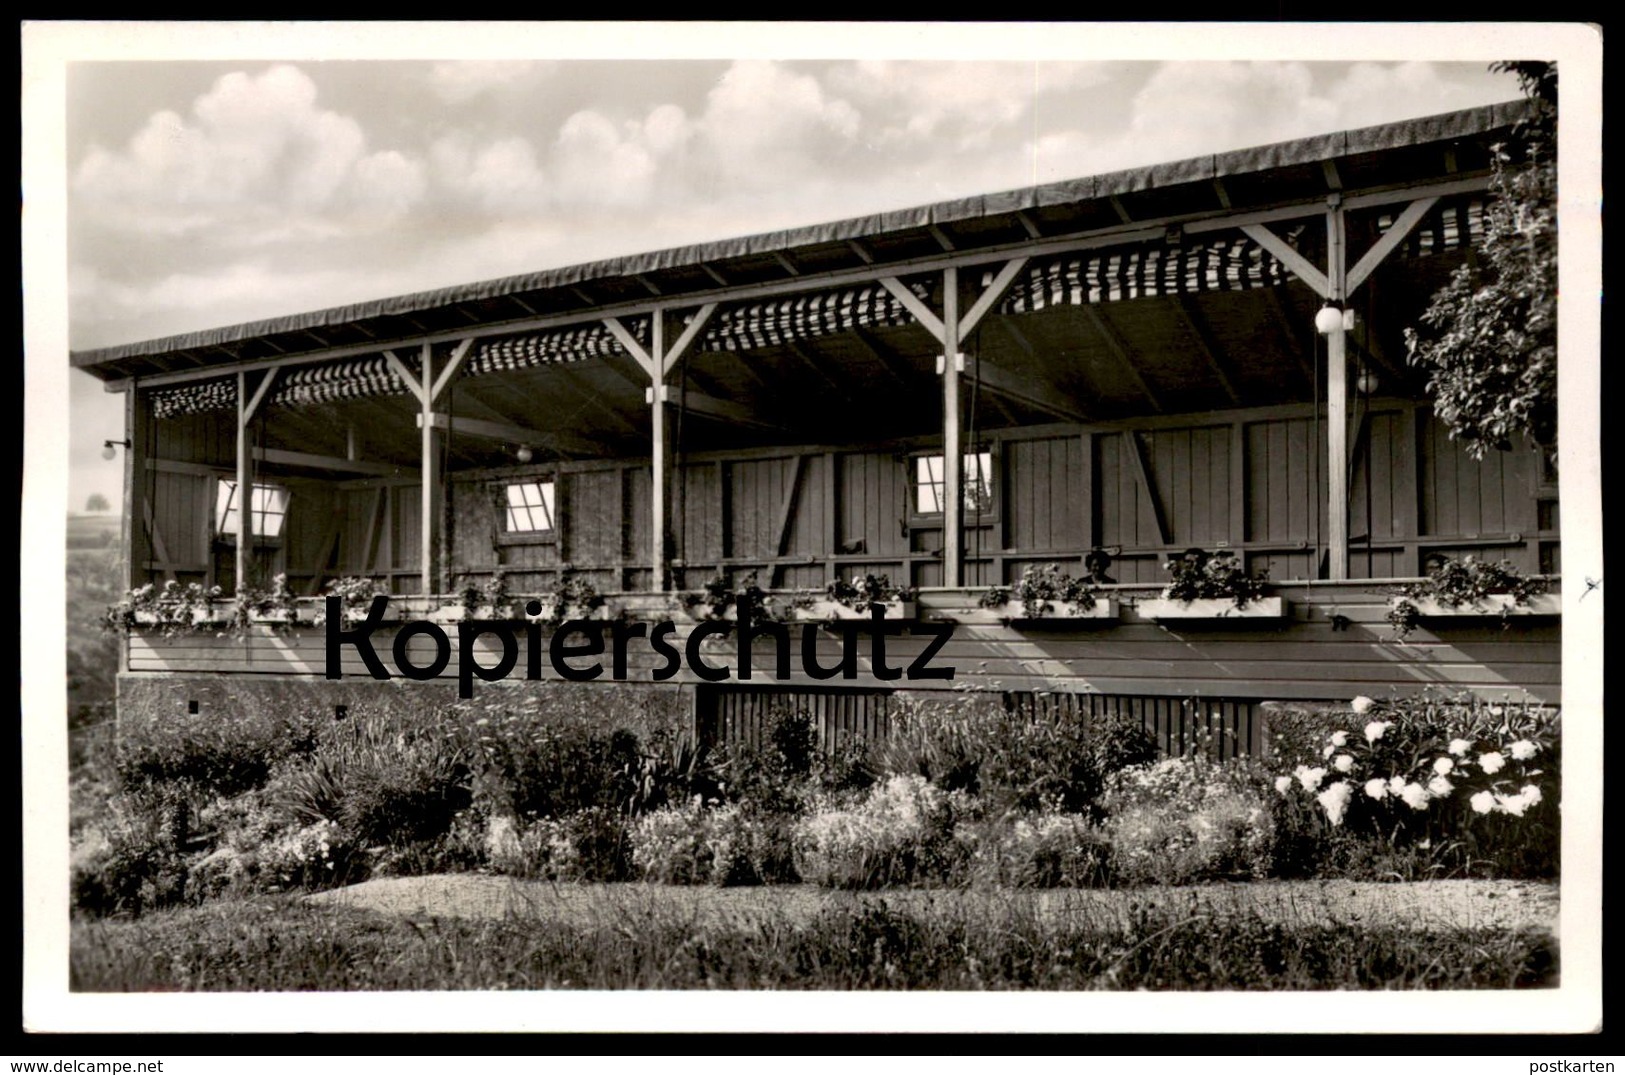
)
(902, 833)
(547, 767)
(728, 845)
(1438, 784)
(222, 753)
(940, 740)
(139, 861)
(1184, 820)
(1040, 851)
(383, 779)
(588, 845)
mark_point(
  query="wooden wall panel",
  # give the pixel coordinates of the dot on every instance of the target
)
(873, 496)
(1307, 657)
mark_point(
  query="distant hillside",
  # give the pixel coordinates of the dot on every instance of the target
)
(92, 531)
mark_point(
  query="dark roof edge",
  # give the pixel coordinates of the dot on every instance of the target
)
(1410, 132)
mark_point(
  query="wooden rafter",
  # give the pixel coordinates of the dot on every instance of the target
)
(1294, 332)
(1207, 345)
(991, 294)
(1020, 339)
(1028, 224)
(912, 303)
(1403, 226)
(786, 264)
(941, 237)
(861, 251)
(512, 434)
(1296, 263)
(1120, 349)
(1025, 390)
(895, 368)
(454, 366)
(1151, 229)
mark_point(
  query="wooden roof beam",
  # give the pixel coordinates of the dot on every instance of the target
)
(861, 251)
(942, 239)
(1119, 347)
(814, 362)
(512, 434)
(1294, 331)
(1028, 224)
(1028, 391)
(894, 367)
(314, 461)
(785, 263)
(1020, 339)
(1207, 345)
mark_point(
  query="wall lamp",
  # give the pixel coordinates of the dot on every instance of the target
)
(1333, 317)
(108, 447)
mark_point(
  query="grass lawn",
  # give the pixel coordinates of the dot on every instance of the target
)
(478, 932)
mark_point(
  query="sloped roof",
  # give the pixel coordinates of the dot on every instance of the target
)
(1269, 174)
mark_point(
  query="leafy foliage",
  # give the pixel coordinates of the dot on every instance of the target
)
(1462, 583)
(861, 591)
(1195, 577)
(1488, 340)
(1041, 588)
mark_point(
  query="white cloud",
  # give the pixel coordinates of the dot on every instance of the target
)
(458, 81)
(764, 124)
(254, 145)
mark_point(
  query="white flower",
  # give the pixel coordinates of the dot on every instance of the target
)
(1443, 765)
(1460, 746)
(1396, 785)
(1343, 762)
(1523, 750)
(1512, 804)
(1496, 711)
(1492, 762)
(1335, 800)
(1361, 704)
(1440, 787)
(1377, 788)
(1374, 730)
(1283, 784)
(1415, 796)
(1483, 802)
(1309, 778)
(1328, 751)
(1340, 739)
(1530, 794)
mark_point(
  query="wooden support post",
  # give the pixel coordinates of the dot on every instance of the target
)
(953, 501)
(245, 486)
(136, 423)
(659, 463)
(1337, 402)
(429, 472)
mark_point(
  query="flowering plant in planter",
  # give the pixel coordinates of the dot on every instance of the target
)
(1467, 583)
(492, 595)
(1040, 589)
(1199, 576)
(574, 597)
(861, 591)
(173, 609)
(720, 596)
(355, 592)
(278, 605)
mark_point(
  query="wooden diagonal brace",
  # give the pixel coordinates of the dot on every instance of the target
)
(1295, 262)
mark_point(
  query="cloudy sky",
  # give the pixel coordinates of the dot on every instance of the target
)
(204, 192)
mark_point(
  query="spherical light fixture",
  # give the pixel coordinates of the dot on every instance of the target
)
(524, 454)
(1328, 320)
(1366, 382)
(110, 448)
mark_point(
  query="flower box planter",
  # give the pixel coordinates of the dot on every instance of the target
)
(822, 610)
(1104, 608)
(571, 612)
(200, 618)
(1499, 604)
(1213, 608)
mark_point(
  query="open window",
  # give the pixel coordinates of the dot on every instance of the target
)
(528, 511)
(976, 484)
(268, 510)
